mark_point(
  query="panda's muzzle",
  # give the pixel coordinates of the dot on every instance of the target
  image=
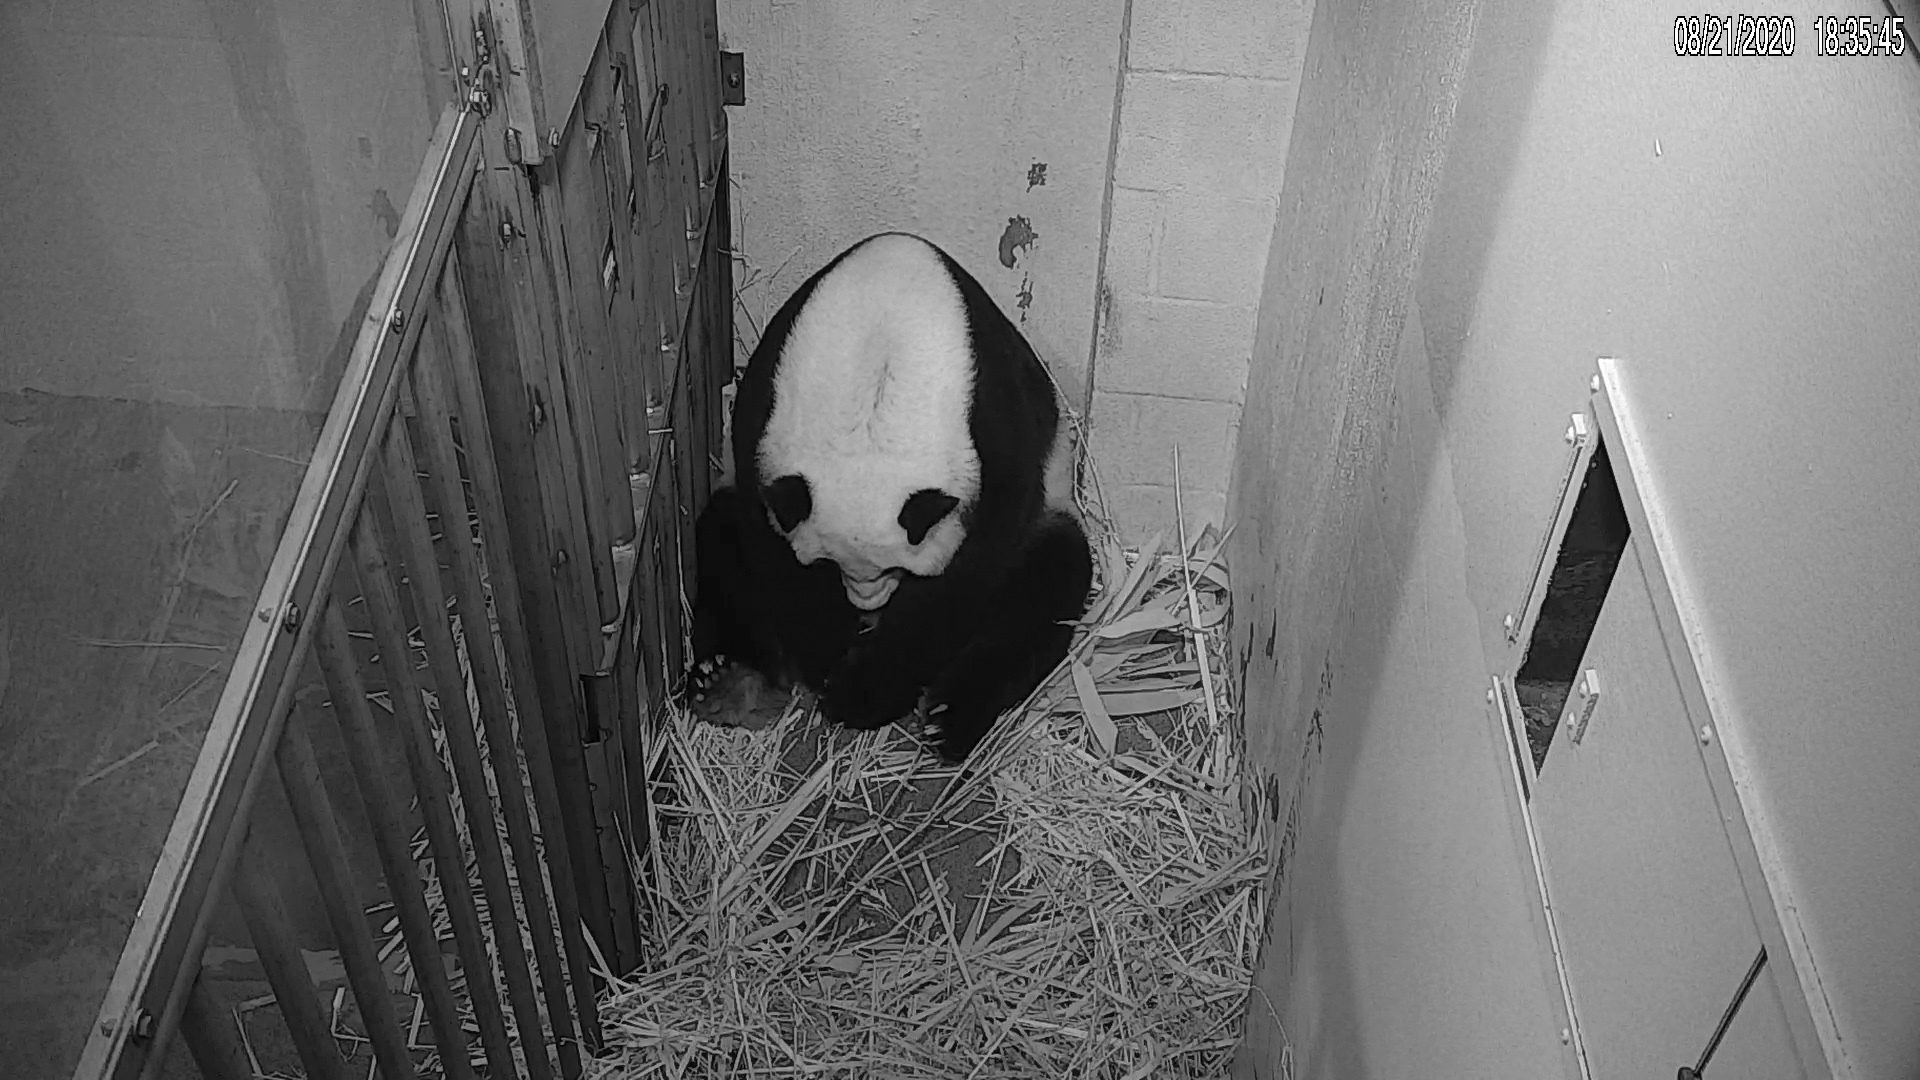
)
(870, 594)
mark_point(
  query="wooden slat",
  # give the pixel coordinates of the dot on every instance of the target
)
(513, 507)
(386, 813)
(577, 420)
(339, 892)
(703, 43)
(606, 784)
(271, 929)
(414, 544)
(534, 689)
(211, 1036)
(159, 962)
(434, 399)
(430, 785)
(627, 317)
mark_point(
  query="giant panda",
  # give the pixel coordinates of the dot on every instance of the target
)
(900, 531)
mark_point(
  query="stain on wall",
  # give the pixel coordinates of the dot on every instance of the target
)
(1016, 240)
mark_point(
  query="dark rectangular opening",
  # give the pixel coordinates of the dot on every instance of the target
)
(1589, 552)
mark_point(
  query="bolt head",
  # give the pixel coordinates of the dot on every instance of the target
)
(1593, 384)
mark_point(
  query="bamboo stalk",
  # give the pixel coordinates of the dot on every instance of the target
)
(434, 399)
(400, 492)
(271, 928)
(333, 649)
(327, 855)
(210, 1035)
(430, 785)
(551, 802)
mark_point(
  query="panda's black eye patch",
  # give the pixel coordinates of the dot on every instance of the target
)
(790, 499)
(923, 510)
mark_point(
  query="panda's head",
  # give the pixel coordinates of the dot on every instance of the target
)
(867, 458)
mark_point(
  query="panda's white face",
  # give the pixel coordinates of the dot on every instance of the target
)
(873, 548)
(867, 458)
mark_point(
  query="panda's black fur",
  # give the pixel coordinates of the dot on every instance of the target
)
(974, 636)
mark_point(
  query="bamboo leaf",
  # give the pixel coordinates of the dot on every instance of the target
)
(1098, 719)
(1142, 621)
(1134, 703)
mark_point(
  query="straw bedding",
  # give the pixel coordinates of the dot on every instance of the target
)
(1081, 901)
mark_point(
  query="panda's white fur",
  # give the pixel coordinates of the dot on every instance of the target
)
(871, 401)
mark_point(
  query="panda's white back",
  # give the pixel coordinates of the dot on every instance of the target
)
(871, 399)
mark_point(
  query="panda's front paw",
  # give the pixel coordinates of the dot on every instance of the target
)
(953, 730)
(864, 694)
(703, 676)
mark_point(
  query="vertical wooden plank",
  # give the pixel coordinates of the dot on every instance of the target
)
(435, 402)
(608, 781)
(635, 704)
(386, 812)
(502, 243)
(399, 493)
(211, 1037)
(271, 929)
(430, 785)
(499, 405)
(671, 153)
(339, 892)
(703, 41)
(539, 677)
(721, 252)
(578, 419)
(689, 458)
(655, 259)
(670, 585)
(626, 315)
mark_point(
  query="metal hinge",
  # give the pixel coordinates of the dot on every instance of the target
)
(733, 78)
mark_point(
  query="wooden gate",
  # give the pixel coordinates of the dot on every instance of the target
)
(503, 495)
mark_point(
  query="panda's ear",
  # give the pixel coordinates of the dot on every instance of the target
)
(923, 510)
(790, 499)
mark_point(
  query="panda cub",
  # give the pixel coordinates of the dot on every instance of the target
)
(901, 525)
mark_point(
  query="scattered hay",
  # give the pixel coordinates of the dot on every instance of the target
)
(1083, 900)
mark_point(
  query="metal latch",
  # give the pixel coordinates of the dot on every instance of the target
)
(733, 78)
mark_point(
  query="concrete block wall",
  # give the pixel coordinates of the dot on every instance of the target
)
(1206, 102)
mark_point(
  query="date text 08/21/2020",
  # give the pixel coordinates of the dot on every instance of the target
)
(1777, 35)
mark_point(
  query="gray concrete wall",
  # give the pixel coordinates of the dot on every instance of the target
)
(1456, 244)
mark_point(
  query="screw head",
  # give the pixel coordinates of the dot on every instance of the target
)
(1565, 1036)
(1507, 624)
(397, 321)
(1593, 384)
(1706, 735)
(143, 1026)
(291, 620)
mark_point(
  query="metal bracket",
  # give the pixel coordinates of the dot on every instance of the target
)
(733, 78)
(1586, 691)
